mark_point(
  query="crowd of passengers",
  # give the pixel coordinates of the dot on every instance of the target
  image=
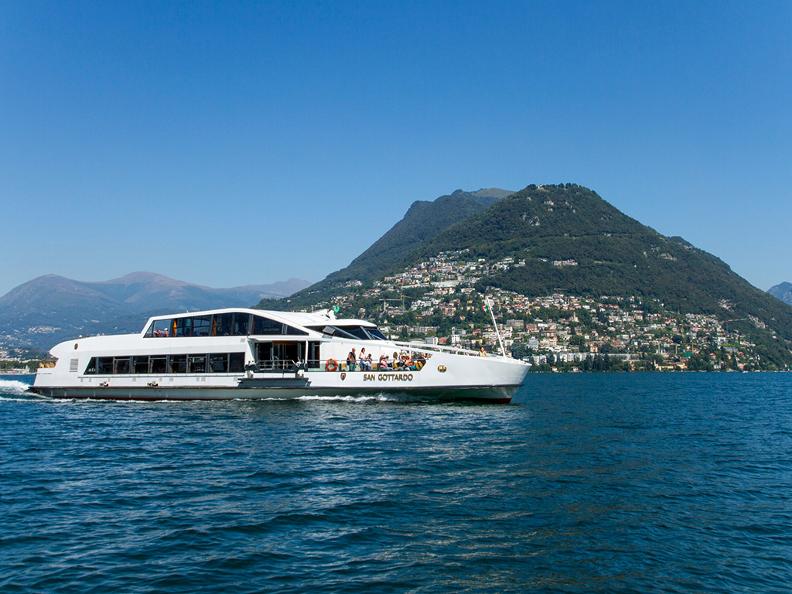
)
(401, 361)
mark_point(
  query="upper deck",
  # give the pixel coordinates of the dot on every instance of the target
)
(255, 322)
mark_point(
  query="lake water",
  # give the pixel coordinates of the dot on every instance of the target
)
(673, 482)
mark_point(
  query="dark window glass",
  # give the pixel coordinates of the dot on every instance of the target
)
(91, 369)
(197, 363)
(294, 331)
(222, 324)
(159, 328)
(218, 363)
(356, 331)
(376, 334)
(314, 360)
(177, 363)
(236, 362)
(104, 365)
(140, 364)
(184, 327)
(202, 325)
(263, 325)
(158, 364)
(122, 365)
(332, 331)
(241, 324)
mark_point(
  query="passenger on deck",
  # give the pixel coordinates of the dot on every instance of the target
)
(383, 362)
(395, 360)
(365, 361)
(352, 360)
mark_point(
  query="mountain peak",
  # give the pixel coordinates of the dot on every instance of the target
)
(782, 291)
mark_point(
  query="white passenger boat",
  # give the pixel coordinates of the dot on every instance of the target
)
(249, 353)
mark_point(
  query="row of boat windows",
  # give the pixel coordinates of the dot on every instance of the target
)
(361, 332)
(224, 324)
(142, 364)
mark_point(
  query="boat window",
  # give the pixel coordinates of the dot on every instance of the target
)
(122, 365)
(332, 331)
(183, 327)
(104, 365)
(236, 362)
(314, 360)
(202, 325)
(241, 325)
(158, 364)
(197, 363)
(358, 332)
(263, 325)
(161, 364)
(159, 328)
(140, 364)
(222, 324)
(376, 334)
(177, 363)
(218, 363)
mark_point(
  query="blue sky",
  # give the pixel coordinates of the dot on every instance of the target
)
(235, 143)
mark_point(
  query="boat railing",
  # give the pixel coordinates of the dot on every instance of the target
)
(422, 347)
(329, 365)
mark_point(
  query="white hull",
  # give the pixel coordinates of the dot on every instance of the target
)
(444, 374)
(495, 394)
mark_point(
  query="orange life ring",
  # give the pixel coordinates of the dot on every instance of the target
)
(331, 365)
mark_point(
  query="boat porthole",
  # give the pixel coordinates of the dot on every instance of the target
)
(441, 368)
(75, 346)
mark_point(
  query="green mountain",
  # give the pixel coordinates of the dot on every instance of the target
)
(423, 221)
(572, 241)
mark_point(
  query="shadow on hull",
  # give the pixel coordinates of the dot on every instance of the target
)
(482, 394)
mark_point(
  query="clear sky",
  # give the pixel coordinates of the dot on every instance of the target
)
(233, 143)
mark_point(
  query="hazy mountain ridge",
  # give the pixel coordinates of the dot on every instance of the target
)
(782, 291)
(51, 308)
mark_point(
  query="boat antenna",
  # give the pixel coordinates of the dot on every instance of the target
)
(495, 324)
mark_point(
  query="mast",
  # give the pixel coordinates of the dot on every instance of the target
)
(495, 324)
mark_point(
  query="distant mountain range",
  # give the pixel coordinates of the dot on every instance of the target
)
(48, 309)
(611, 254)
(782, 291)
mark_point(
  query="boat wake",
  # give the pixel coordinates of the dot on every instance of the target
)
(14, 388)
(361, 398)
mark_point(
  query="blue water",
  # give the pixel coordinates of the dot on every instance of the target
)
(676, 482)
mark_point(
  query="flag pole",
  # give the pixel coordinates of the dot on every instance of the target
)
(495, 324)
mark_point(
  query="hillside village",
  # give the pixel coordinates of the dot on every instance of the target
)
(441, 301)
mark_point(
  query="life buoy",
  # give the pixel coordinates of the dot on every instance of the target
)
(331, 365)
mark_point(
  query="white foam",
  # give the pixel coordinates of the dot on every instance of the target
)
(13, 387)
(349, 398)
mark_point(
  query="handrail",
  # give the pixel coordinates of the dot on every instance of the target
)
(317, 364)
(436, 347)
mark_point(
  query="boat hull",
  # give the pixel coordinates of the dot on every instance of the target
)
(484, 394)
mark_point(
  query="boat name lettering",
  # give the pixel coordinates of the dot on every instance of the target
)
(388, 377)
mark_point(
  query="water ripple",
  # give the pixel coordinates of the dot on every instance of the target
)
(635, 482)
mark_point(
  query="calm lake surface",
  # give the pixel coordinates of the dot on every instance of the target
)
(646, 482)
